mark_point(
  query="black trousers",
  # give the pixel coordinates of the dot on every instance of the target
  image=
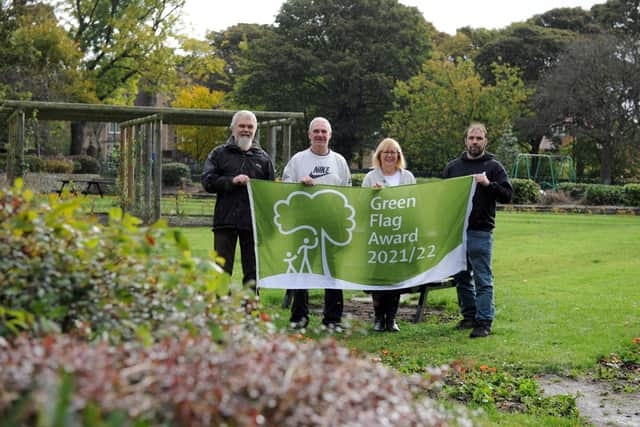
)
(224, 243)
(385, 304)
(333, 304)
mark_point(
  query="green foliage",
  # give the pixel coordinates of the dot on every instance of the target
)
(58, 165)
(37, 58)
(433, 109)
(61, 270)
(508, 148)
(172, 173)
(575, 190)
(590, 84)
(632, 194)
(525, 191)
(357, 178)
(530, 48)
(488, 385)
(34, 163)
(598, 194)
(83, 163)
(335, 58)
(124, 45)
(622, 368)
(198, 141)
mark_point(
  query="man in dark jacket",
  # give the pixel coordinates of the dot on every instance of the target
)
(227, 171)
(475, 293)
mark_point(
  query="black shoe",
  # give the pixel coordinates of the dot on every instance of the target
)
(466, 324)
(300, 324)
(378, 324)
(392, 326)
(480, 331)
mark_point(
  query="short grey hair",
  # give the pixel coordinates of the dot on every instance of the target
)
(242, 113)
(319, 119)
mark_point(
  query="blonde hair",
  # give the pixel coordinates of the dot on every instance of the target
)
(388, 144)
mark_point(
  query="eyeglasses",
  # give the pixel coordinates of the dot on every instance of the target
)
(390, 152)
(475, 138)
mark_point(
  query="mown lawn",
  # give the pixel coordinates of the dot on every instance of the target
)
(567, 292)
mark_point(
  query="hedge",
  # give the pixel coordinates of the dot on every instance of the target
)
(173, 173)
(525, 192)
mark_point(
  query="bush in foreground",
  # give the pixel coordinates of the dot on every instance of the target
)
(192, 381)
(60, 270)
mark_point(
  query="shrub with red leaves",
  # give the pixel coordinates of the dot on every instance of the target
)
(193, 381)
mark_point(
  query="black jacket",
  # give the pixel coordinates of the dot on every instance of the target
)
(232, 202)
(483, 212)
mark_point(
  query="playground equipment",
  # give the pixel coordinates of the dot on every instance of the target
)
(545, 169)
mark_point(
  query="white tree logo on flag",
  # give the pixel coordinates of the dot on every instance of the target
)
(319, 228)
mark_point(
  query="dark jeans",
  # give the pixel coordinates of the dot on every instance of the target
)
(224, 243)
(333, 302)
(475, 285)
(385, 304)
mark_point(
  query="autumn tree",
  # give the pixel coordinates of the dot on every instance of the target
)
(339, 59)
(596, 86)
(432, 109)
(123, 45)
(198, 141)
(37, 59)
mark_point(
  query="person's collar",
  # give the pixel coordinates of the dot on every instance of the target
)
(318, 154)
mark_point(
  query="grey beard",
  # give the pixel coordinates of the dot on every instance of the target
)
(244, 142)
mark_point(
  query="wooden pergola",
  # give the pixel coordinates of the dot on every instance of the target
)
(141, 140)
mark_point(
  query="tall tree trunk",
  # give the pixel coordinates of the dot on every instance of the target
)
(77, 137)
(606, 162)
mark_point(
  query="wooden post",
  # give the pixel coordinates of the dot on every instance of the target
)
(148, 171)
(286, 143)
(15, 158)
(157, 169)
(129, 159)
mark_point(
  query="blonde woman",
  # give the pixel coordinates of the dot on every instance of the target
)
(388, 171)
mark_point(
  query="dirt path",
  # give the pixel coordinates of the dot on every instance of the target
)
(596, 401)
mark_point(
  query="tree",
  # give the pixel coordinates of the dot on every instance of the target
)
(123, 43)
(596, 86)
(531, 48)
(621, 17)
(321, 229)
(37, 59)
(229, 46)
(432, 110)
(574, 19)
(336, 58)
(198, 141)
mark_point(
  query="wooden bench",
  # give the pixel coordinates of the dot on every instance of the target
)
(423, 290)
(91, 182)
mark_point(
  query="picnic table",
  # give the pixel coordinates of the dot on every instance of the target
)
(90, 182)
(423, 290)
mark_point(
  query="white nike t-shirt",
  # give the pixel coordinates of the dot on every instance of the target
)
(330, 169)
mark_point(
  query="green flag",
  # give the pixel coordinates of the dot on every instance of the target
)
(359, 238)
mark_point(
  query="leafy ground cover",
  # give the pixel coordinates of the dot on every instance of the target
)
(567, 303)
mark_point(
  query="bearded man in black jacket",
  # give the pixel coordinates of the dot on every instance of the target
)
(227, 171)
(475, 284)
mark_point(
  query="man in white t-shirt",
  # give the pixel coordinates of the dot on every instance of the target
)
(317, 165)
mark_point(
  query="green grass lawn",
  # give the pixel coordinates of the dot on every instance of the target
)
(567, 291)
(182, 204)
